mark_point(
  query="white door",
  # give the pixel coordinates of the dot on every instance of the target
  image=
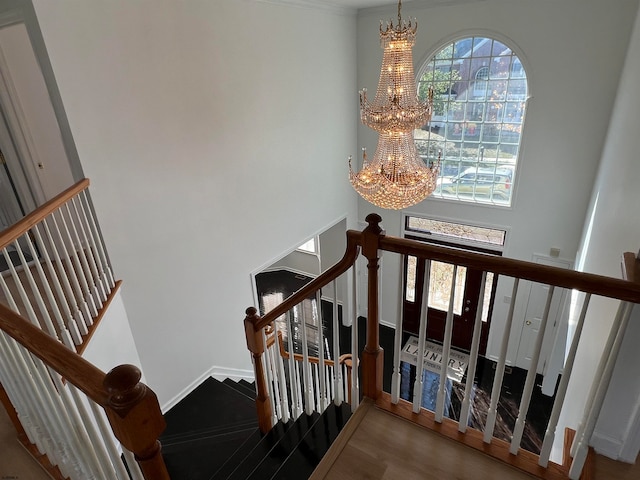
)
(536, 302)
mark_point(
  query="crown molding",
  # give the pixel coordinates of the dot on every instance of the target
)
(328, 7)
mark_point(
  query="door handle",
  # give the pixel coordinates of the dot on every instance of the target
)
(528, 322)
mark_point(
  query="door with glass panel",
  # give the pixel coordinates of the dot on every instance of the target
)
(465, 304)
(468, 282)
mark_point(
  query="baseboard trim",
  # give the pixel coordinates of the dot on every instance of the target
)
(606, 445)
(217, 372)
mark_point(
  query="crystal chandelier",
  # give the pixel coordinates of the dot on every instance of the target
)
(397, 177)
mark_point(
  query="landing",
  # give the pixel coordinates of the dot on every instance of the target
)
(383, 446)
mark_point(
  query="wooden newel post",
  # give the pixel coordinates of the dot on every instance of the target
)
(372, 357)
(136, 419)
(255, 345)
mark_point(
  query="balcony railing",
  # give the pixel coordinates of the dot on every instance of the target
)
(273, 385)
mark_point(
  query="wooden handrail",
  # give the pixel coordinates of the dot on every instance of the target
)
(66, 362)
(587, 282)
(131, 407)
(297, 357)
(25, 224)
(545, 274)
(350, 255)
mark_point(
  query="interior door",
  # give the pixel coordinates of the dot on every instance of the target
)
(11, 209)
(466, 301)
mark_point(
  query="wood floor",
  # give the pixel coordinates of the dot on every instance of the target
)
(15, 461)
(384, 447)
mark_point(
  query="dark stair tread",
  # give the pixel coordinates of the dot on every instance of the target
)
(250, 385)
(275, 448)
(211, 405)
(239, 455)
(247, 392)
(168, 441)
(199, 459)
(314, 445)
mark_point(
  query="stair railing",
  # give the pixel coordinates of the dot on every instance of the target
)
(53, 389)
(303, 387)
(56, 283)
(55, 268)
(285, 370)
(509, 273)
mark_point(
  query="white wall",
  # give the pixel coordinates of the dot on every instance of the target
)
(112, 344)
(613, 226)
(216, 137)
(573, 52)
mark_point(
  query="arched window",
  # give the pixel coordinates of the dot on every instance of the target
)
(480, 93)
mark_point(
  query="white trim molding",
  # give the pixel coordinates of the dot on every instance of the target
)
(217, 372)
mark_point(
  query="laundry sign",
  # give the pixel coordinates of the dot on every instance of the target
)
(433, 357)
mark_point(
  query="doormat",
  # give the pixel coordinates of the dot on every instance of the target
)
(458, 361)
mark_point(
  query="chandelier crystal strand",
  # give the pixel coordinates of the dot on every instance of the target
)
(397, 177)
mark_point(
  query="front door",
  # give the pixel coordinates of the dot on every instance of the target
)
(466, 301)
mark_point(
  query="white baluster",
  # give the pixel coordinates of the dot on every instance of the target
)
(518, 429)
(299, 387)
(602, 381)
(446, 350)
(338, 396)
(397, 338)
(418, 385)
(473, 359)
(18, 392)
(294, 379)
(306, 369)
(97, 239)
(109, 441)
(273, 364)
(63, 301)
(355, 385)
(321, 363)
(268, 372)
(80, 262)
(96, 283)
(72, 275)
(92, 446)
(21, 292)
(550, 435)
(502, 360)
(76, 313)
(134, 468)
(613, 332)
(281, 375)
(53, 303)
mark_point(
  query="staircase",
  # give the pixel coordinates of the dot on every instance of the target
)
(213, 435)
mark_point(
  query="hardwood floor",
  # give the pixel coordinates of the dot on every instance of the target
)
(607, 469)
(378, 446)
(15, 461)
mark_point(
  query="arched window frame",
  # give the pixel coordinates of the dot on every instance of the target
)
(478, 119)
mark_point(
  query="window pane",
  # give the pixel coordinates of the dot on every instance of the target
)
(456, 230)
(309, 246)
(410, 293)
(440, 280)
(480, 92)
(488, 290)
